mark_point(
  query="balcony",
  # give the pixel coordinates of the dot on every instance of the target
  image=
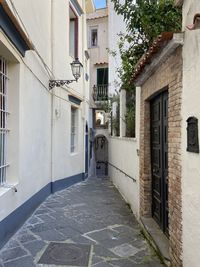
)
(100, 93)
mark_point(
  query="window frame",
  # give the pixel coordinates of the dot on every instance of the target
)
(91, 30)
(76, 32)
(74, 130)
(3, 120)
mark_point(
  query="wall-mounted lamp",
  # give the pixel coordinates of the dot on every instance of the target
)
(76, 67)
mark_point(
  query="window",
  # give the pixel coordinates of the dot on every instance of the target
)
(73, 34)
(94, 37)
(74, 126)
(3, 120)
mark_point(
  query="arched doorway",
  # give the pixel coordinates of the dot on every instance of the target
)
(101, 155)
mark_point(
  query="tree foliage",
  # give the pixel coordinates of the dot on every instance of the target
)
(145, 20)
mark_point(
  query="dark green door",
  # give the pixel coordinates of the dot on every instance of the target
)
(159, 160)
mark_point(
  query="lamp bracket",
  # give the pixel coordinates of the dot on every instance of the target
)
(59, 83)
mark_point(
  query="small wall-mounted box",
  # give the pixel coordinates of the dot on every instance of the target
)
(192, 135)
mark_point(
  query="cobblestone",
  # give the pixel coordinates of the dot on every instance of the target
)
(91, 213)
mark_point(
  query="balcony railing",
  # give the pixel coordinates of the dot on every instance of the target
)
(100, 92)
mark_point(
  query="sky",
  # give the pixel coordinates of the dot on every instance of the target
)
(100, 3)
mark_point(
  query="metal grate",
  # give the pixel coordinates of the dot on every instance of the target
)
(3, 120)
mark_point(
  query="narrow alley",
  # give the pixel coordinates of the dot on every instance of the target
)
(87, 224)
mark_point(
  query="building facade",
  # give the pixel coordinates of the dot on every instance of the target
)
(97, 32)
(43, 132)
(117, 27)
(166, 149)
(160, 142)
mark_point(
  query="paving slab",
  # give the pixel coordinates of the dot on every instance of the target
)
(35, 247)
(91, 214)
(66, 254)
(122, 263)
(22, 262)
(13, 253)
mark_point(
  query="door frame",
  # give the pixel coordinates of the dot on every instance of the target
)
(162, 169)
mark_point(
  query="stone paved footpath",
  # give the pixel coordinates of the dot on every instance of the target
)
(91, 213)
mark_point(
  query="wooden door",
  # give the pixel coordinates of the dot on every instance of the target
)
(159, 160)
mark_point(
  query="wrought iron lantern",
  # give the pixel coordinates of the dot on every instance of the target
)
(76, 67)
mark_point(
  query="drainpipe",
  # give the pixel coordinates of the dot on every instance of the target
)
(52, 94)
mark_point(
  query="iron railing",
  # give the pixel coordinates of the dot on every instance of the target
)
(100, 92)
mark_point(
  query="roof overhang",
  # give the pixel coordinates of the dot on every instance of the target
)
(161, 49)
(13, 30)
(101, 63)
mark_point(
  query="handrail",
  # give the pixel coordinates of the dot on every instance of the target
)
(133, 179)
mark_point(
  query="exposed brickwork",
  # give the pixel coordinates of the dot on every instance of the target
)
(169, 74)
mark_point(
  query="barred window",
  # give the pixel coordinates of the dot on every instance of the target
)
(74, 123)
(3, 120)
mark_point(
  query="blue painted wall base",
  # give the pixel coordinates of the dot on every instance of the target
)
(16, 219)
(66, 182)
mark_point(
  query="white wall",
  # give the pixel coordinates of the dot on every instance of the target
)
(29, 138)
(39, 138)
(116, 25)
(190, 161)
(123, 154)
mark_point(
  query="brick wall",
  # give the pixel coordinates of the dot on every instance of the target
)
(169, 74)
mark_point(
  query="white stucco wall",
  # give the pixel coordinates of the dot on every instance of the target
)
(116, 25)
(29, 138)
(39, 138)
(123, 154)
(190, 161)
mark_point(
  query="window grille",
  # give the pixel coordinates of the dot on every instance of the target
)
(73, 129)
(3, 120)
